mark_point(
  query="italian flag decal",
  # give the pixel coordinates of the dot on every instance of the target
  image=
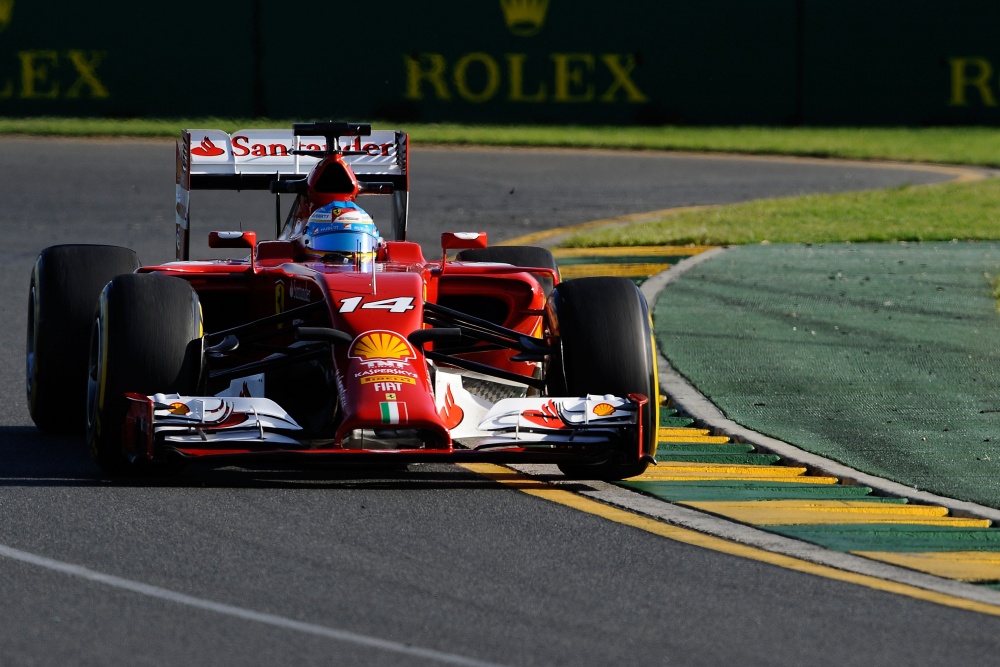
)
(393, 412)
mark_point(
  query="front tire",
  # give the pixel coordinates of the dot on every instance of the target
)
(146, 338)
(65, 283)
(605, 346)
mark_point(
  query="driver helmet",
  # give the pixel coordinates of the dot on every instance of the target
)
(341, 233)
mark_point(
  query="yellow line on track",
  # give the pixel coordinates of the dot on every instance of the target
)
(547, 492)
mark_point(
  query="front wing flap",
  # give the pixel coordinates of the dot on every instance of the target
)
(561, 426)
(205, 422)
(548, 420)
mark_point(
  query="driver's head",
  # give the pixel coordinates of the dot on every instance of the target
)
(341, 233)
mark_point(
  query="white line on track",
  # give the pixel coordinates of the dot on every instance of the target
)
(238, 612)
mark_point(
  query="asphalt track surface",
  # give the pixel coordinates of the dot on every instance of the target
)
(433, 565)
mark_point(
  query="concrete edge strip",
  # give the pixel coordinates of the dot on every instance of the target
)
(688, 399)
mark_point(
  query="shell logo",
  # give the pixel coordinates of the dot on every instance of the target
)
(604, 409)
(380, 345)
(179, 409)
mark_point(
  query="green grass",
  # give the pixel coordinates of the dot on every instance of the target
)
(102, 127)
(951, 211)
(970, 146)
(959, 145)
(911, 213)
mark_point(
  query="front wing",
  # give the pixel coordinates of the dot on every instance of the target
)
(588, 429)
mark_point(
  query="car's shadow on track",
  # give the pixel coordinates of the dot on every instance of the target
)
(29, 457)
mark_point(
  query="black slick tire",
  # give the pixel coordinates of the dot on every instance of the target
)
(65, 283)
(530, 257)
(146, 338)
(604, 346)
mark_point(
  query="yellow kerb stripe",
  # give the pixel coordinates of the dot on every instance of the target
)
(816, 512)
(666, 431)
(961, 565)
(702, 477)
(675, 467)
(708, 439)
(632, 251)
(637, 270)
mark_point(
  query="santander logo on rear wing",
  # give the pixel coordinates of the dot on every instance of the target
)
(270, 152)
(253, 159)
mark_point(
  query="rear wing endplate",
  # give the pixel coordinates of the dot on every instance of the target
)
(253, 159)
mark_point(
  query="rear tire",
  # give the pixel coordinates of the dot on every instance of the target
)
(146, 338)
(65, 283)
(605, 346)
(530, 257)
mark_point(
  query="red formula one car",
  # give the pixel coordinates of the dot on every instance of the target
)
(330, 343)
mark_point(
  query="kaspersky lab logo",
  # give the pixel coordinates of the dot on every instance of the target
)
(524, 18)
(6, 9)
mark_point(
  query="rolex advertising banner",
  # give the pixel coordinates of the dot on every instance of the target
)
(871, 62)
(550, 61)
(117, 58)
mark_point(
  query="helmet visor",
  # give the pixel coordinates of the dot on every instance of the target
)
(344, 241)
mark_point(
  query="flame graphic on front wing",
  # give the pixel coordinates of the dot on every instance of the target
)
(548, 416)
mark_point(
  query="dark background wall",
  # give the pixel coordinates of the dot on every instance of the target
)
(816, 62)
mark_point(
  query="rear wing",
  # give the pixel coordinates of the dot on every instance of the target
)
(253, 159)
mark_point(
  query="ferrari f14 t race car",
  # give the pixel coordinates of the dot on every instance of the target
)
(331, 343)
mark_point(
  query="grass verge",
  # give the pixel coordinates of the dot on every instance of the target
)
(964, 211)
(952, 145)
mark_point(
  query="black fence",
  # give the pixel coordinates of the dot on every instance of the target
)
(777, 62)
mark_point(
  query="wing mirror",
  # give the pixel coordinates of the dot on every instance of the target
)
(463, 240)
(232, 240)
(460, 241)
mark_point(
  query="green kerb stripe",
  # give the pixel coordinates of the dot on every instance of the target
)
(738, 490)
(873, 537)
